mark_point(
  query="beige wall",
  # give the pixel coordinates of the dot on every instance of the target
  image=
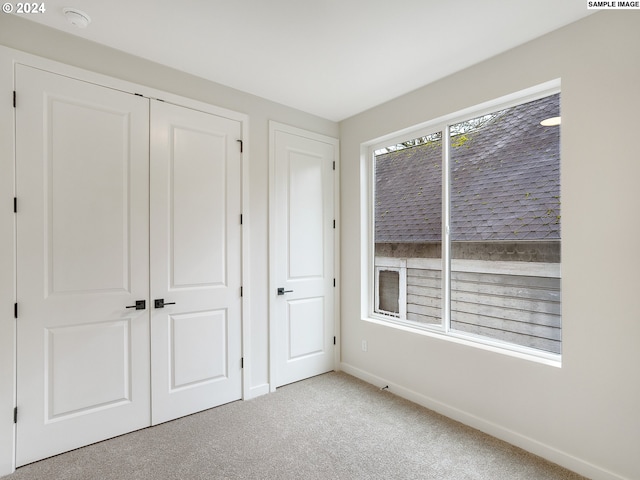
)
(30, 37)
(585, 415)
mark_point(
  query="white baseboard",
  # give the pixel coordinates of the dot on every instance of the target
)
(257, 391)
(529, 444)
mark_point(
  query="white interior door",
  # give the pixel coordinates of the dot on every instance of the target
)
(302, 236)
(195, 261)
(82, 260)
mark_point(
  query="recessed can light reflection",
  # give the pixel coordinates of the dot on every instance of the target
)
(550, 122)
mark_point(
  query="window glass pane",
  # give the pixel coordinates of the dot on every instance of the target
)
(505, 226)
(389, 291)
(408, 220)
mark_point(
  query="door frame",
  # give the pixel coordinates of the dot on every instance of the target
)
(274, 127)
(7, 266)
(9, 58)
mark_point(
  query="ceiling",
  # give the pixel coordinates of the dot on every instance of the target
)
(331, 58)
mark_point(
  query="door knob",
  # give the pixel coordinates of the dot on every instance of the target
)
(140, 305)
(160, 303)
(282, 291)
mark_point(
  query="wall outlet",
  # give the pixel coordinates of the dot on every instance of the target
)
(364, 345)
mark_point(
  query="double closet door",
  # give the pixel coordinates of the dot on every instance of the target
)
(128, 262)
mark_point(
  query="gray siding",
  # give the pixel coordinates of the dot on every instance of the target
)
(509, 301)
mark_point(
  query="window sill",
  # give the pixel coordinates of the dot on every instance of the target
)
(487, 344)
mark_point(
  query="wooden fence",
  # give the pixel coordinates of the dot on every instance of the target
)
(516, 302)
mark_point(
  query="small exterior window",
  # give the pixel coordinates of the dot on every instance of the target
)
(389, 291)
(391, 288)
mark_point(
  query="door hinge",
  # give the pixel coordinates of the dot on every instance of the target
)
(14, 99)
(334, 164)
(15, 415)
(334, 340)
(241, 362)
(334, 282)
(15, 204)
(241, 291)
(334, 224)
(15, 310)
(241, 145)
(240, 219)
(138, 95)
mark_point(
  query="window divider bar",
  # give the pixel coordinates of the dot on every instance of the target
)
(446, 222)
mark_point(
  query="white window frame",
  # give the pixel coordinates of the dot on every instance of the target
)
(369, 273)
(394, 265)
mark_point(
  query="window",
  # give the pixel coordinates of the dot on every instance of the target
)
(466, 227)
(391, 287)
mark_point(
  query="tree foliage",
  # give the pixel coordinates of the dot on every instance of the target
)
(459, 130)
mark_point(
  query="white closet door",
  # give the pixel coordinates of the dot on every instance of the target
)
(82, 259)
(195, 261)
(303, 248)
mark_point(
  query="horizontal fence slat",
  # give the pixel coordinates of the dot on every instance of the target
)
(523, 316)
(529, 269)
(424, 291)
(419, 272)
(516, 302)
(424, 310)
(415, 317)
(524, 328)
(513, 280)
(533, 295)
(511, 337)
(420, 282)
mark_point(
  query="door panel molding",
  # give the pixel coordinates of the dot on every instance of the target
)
(9, 60)
(303, 200)
(75, 387)
(196, 261)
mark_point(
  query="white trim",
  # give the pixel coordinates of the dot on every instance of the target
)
(257, 391)
(529, 444)
(281, 127)
(271, 260)
(446, 229)
(58, 68)
(432, 126)
(369, 272)
(367, 225)
(391, 262)
(393, 265)
(7, 265)
(337, 256)
(470, 340)
(247, 390)
(9, 58)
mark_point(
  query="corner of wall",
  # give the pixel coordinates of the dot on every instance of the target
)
(7, 287)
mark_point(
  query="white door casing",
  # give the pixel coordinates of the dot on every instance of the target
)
(82, 179)
(82, 259)
(195, 261)
(302, 251)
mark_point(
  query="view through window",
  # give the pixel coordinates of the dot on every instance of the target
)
(502, 255)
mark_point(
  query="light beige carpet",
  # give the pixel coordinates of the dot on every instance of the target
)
(328, 427)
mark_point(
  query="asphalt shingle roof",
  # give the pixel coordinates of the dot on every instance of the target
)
(505, 182)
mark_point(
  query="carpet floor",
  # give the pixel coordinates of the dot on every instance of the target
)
(333, 426)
